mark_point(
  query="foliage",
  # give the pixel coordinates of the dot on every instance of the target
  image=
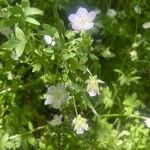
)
(116, 50)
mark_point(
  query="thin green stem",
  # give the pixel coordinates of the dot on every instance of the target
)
(75, 106)
(26, 133)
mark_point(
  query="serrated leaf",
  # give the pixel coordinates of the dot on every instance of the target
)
(4, 139)
(32, 20)
(32, 141)
(32, 11)
(89, 104)
(36, 67)
(19, 34)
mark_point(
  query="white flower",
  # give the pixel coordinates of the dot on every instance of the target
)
(49, 40)
(82, 19)
(14, 55)
(57, 95)
(147, 122)
(146, 25)
(92, 86)
(80, 124)
(137, 9)
(111, 13)
(133, 55)
(56, 121)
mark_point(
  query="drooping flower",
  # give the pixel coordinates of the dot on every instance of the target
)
(111, 13)
(92, 86)
(146, 25)
(147, 122)
(82, 19)
(133, 55)
(49, 40)
(80, 124)
(56, 95)
(56, 121)
(137, 9)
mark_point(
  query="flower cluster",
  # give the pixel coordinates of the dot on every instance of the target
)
(80, 124)
(82, 19)
(57, 95)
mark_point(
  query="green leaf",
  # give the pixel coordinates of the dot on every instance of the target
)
(67, 56)
(3, 140)
(30, 126)
(20, 48)
(32, 141)
(32, 11)
(89, 104)
(36, 67)
(32, 20)
(11, 43)
(19, 34)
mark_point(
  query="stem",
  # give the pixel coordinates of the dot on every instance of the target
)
(19, 87)
(89, 71)
(121, 115)
(75, 106)
(34, 130)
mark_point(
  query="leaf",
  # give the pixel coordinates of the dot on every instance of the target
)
(20, 48)
(32, 11)
(89, 104)
(11, 43)
(19, 34)
(32, 20)
(30, 126)
(36, 67)
(67, 56)
(3, 140)
(32, 141)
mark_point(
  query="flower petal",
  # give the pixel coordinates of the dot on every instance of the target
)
(49, 100)
(92, 15)
(88, 26)
(72, 18)
(81, 12)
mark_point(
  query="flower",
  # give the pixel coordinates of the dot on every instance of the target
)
(92, 86)
(147, 122)
(80, 124)
(111, 13)
(133, 55)
(49, 40)
(56, 95)
(82, 19)
(146, 25)
(56, 121)
(137, 9)
(14, 55)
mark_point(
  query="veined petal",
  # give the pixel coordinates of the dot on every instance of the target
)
(76, 27)
(91, 15)
(88, 26)
(81, 12)
(72, 18)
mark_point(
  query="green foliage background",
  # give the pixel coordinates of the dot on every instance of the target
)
(116, 117)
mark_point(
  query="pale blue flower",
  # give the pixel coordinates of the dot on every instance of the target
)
(80, 124)
(49, 40)
(82, 19)
(56, 95)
